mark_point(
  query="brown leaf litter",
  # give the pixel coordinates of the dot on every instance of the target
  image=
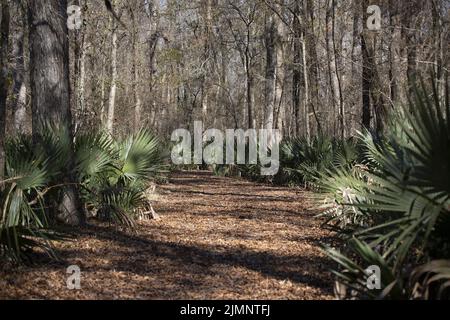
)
(218, 238)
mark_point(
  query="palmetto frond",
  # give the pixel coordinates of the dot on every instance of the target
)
(409, 191)
(140, 156)
(115, 173)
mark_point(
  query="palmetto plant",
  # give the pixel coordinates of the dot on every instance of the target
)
(407, 201)
(112, 176)
(304, 162)
(23, 214)
(115, 174)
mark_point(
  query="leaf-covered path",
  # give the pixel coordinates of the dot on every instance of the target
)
(218, 238)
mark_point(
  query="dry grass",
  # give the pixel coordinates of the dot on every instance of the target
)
(219, 238)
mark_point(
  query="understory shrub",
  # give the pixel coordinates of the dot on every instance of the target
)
(113, 176)
(395, 213)
(387, 196)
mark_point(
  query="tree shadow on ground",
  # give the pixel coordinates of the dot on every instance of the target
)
(271, 265)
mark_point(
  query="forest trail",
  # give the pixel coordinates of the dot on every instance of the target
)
(218, 238)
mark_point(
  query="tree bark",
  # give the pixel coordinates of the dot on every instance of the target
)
(280, 74)
(4, 34)
(394, 59)
(135, 72)
(80, 73)
(331, 73)
(270, 80)
(113, 89)
(19, 87)
(306, 100)
(249, 81)
(366, 73)
(312, 61)
(339, 98)
(50, 88)
(372, 86)
(297, 70)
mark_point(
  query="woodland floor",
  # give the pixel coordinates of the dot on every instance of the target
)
(218, 238)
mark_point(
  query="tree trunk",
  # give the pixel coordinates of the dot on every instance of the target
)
(135, 72)
(356, 61)
(208, 48)
(271, 62)
(439, 47)
(81, 95)
(80, 74)
(306, 100)
(366, 73)
(337, 82)
(297, 72)
(249, 80)
(313, 61)
(20, 87)
(366, 79)
(4, 34)
(280, 74)
(50, 88)
(394, 59)
(113, 89)
(411, 52)
(372, 86)
(332, 64)
(103, 93)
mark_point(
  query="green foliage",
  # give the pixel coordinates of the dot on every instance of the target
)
(112, 175)
(115, 174)
(387, 196)
(404, 197)
(249, 171)
(432, 280)
(305, 162)
(24, 219)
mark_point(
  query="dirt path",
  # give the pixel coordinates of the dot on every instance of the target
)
(219, 238)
